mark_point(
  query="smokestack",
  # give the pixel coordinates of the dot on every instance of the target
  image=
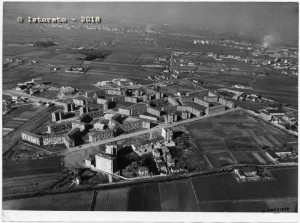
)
(268, 41)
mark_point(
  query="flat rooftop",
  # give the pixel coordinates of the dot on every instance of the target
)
(194, 105)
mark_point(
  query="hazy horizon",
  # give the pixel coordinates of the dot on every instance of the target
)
(254, 19)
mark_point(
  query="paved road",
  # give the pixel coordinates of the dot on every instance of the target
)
(94, 144)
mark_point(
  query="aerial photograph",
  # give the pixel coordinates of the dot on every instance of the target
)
(150, 106)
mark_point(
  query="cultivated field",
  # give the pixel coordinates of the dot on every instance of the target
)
(236, 137)
(219, 192)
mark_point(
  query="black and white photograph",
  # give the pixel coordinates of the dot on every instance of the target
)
(150, 107)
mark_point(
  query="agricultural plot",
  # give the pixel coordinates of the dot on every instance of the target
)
(136, 198)
(240, 133)
(80, 202)
(33, 53)
(203, 134)
(101, 200)
(29, 183)
(186, 196)
(241, 144)
(117, 199)
(224, 187)
(169, 197)
(212, 144)
(243, 158)
(31, 167)
(21, 114)
(233, 206)
(152, 197)
(259, 158)
(262, 141)
(219, 159)
(234, 132)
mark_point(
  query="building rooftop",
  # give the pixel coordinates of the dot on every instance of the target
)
(106, 156)
(194, 105)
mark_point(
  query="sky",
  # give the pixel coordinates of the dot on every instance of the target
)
(251, 18)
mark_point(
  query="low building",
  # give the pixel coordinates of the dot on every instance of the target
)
(150, 117)
(101, 135)
(211, 98)
(131, 99)
(215, 109)
(226, 103)
(154, 111)
(249, 171)
(99, 126)
(201, 102)
(143, 171)
(114, 92)
(59, 127)
(31, 137)
(79, 102)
